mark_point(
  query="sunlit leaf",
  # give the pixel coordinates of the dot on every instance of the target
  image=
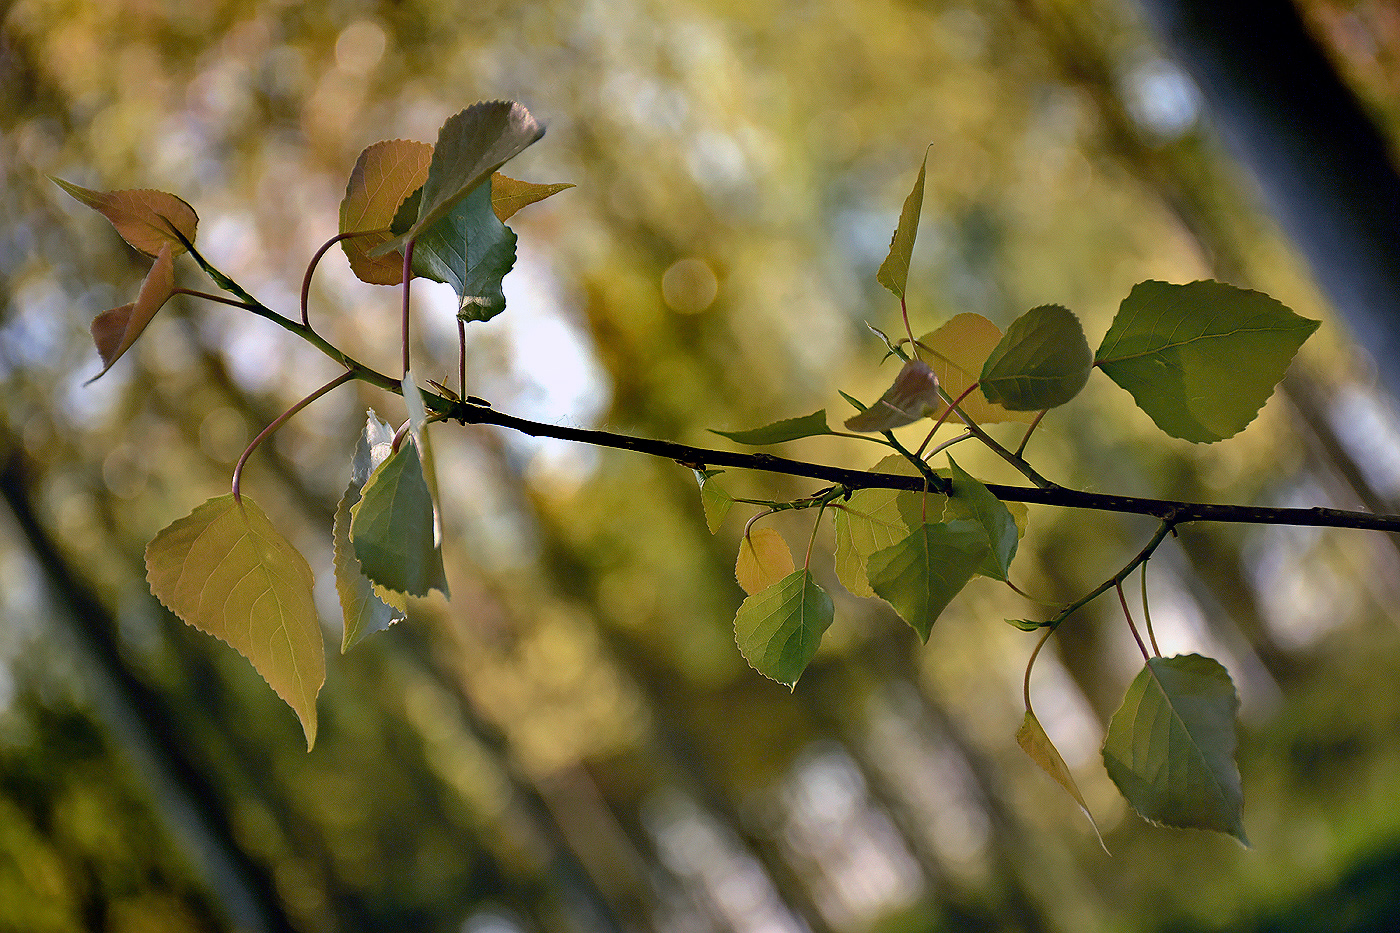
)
(1170, 747)
(385, 174)
(470, 147)
(1201, 359)
(142, 217)
(393, 529)
(912, 395)
(789, 429)
(894, 271)
(780, 629)
(471, 250)
(1035, 743)
(764, 559)
(116, 330)
(873, 519)
(509, 195)
(972, 500)
(1042, 362)
(921, 574)
(957, 352)
(713, 499)
(225, 570)
(364, 610)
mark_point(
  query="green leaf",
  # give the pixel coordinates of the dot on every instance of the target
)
(418, 427)
(1035, 743)
(393, 530)
(789, 429)
(972, 500)
(365, 610)
(1202, 358)
(225, 570)
(509, 195)
(713, 499)
(384, 176)
(957, 351)
(1170, 747)
(780, 629)
(871, 520)
(143, 217)
(470, 147)
(1043, 361)
(1026, 625)
(912, 395)
(920, 575)
(894, 271)
(471, 250)
(764, 559)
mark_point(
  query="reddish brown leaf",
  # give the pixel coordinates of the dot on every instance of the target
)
(385, 174)
(143, 217)
(116, 330)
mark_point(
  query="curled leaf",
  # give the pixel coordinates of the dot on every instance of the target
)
(365, 609)
(913, 395)
(143, 217)
(116, 330)
(385, 174)
(894, 271)
(1036, 744)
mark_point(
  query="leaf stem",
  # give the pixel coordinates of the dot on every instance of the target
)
(1132, 626)
(1035, 653)
(407, 278)
(1029, 431)
(807, 561)
(1147, 613)
(311, 269)
(1117, 579)
(277, 423)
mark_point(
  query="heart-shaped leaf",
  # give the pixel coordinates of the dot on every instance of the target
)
(764, 559)
(871, 520)
(780, 629)
(920, 575)
(471, 250)
(1170, 747)
(143, 217)
(1042, 362)
(225, 570)
(366, 610)
(116, 330)
(1202, 358)
(384, 176)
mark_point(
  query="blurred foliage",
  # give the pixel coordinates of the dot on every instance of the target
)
(574, 742)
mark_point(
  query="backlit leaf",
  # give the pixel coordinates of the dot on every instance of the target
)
(789, 429)
(873, 519)
(921, 574)
(780, 629)
(471, 250)
(1035, 743)
(1170, 747)
(972, 500)
(764, 559)
(957, 352)
(713, 499)
(225, 570)
(384, 176)
(509, 195)
(116, 330)
(894, 271)
(143, 217)
(913, 394)
(1201, 359)
(393, 530)
(470, 147)
(1043, 361)
(364, 610)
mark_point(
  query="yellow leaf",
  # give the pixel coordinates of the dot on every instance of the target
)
(509, 195)
(956, 352)
(1035, 743)
(384, 175)
(116, 330)
(143, 217)
(225, 570)
(764, 559)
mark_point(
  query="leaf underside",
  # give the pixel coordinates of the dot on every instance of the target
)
(384, 176)
(764, 559)
(780, 629)
(143, 217)
(392, 527)
(920, 575)
(365, 610)
(789, 429)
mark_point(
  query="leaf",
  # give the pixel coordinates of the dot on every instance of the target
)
(384, 176)
(1170, 747)
(225, 570)
(116, 330)
(418, 427)
(894, 271)
(714, 500)
(972, 500)
(912, 395)
(1042, 362)
(143, 217)
(957, 352)
(920, 575)
(1201, 359)
(470, 147)
(392, 527)
(764, 559)
(364, 610)
(1035, 743)
(873, 519)
(780, 629)
(789, 429)
(509, 195)
(471, 250)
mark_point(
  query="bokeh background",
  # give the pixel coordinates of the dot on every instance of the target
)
(574, 743)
